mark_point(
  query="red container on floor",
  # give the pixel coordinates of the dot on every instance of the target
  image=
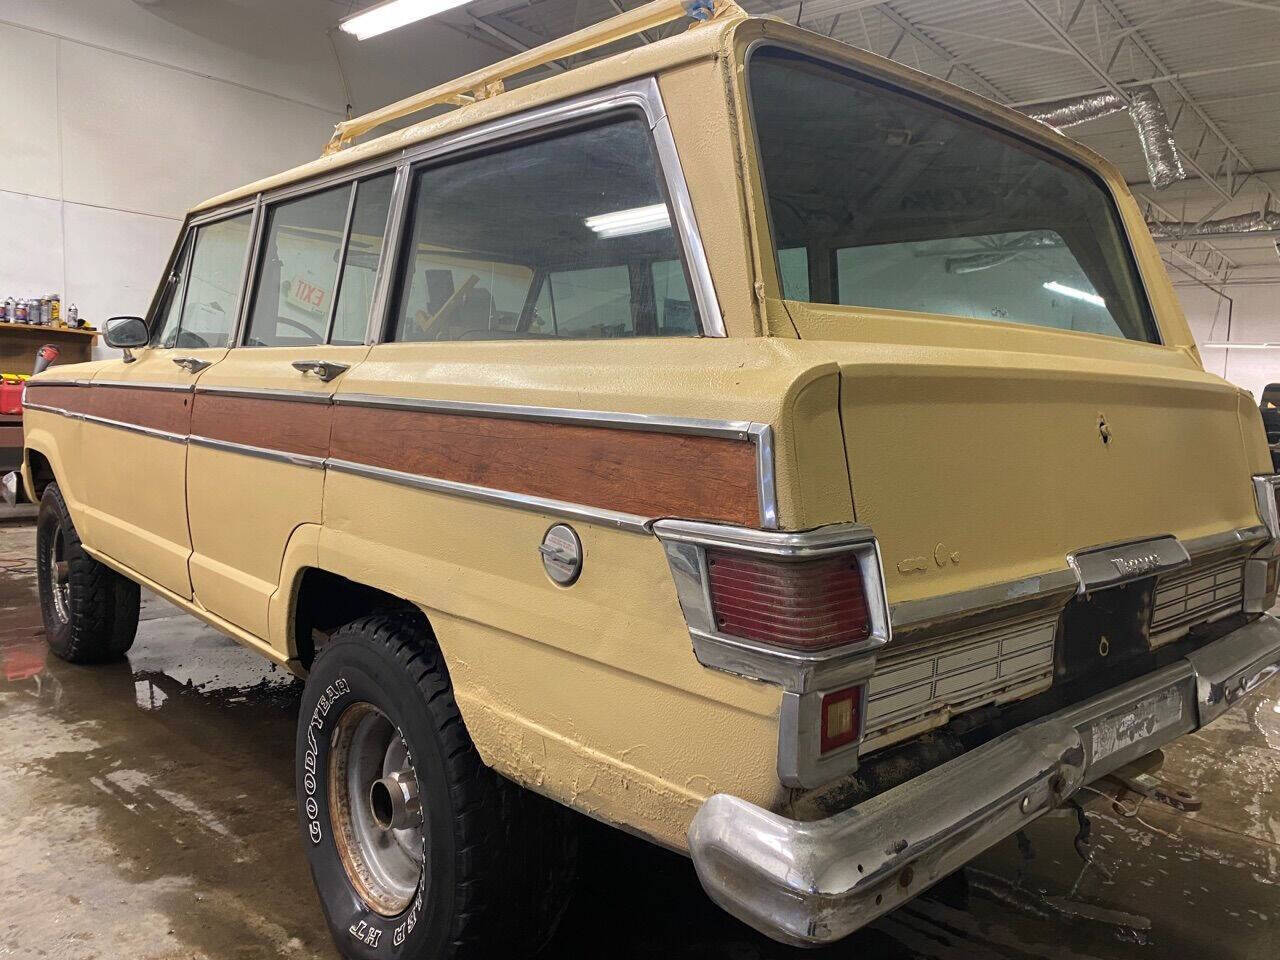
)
(10, 397)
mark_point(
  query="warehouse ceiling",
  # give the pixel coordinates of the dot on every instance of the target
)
(1214, 64)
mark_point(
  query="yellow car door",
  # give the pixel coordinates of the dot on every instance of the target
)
(260, 430)
(138, 408)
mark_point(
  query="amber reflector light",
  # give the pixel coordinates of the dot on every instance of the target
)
(841, 718)
(806, 605)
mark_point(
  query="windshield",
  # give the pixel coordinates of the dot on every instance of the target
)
(879, 199)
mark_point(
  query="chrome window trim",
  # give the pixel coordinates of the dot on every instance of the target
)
(262, 453)
(347, 224)
(266, 393)
(522, 501)
(143, 385)
(43, 382)
(397, 213)
(732, 429)
(206, 217)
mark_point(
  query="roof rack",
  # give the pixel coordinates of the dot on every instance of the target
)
(489, 81)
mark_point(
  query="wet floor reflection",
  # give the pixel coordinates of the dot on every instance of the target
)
(148, 812)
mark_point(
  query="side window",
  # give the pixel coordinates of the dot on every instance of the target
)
(212, 291)
(673, 306)
(165, 331)
(793, 265)
(298, 269)
(565, 237)
(360, 263)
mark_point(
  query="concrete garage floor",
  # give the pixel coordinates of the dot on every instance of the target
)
(147, 812)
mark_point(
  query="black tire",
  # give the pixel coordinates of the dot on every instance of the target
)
(93, 617)
(499, 862)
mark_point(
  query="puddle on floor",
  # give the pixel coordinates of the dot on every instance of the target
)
(149, 813)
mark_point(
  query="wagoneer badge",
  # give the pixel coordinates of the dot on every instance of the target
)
(561, 554)
(1135, 566)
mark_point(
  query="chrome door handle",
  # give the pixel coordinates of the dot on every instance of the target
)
(191, 364)
(323, 370)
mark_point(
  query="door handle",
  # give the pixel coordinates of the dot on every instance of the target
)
(321, 369)
(191, 364)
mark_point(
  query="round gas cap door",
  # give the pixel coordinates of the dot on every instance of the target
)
(561, 554)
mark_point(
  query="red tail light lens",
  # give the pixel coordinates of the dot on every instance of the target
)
(805, 604)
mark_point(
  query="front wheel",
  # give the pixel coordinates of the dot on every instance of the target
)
(417, 849)
(90, 612)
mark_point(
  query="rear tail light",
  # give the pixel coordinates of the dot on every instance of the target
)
(841, 718)
(801, 604)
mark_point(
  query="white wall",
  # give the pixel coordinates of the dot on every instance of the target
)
(1255, 318)
(119, 115)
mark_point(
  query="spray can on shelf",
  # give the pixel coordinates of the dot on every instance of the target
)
(20, 312)
(55, 310)
(73, 316)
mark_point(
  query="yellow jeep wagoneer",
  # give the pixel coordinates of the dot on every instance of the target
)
(743, 440)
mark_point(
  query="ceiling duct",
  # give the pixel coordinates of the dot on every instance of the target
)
(1265, 221)
(1164, 166)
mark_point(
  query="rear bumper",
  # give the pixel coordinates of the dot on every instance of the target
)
(809, 883)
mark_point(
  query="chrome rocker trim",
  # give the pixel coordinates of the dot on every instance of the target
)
(809, 883)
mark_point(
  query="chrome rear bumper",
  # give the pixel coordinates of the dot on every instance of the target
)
(809, 883)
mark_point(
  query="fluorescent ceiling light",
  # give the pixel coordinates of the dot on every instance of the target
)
(624, 223)
(1228, 345)
(391, 14)
(1066, 291)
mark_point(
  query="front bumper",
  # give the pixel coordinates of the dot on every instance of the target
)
(813, 882)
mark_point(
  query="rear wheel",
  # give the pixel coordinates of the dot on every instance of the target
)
(417, 848)
(90, 612)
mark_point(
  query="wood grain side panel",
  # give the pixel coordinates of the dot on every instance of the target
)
(10, 434)
(291, 426)
(168, 410)
(645, 473)
(68, 398)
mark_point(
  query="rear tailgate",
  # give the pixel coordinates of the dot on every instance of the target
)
(978, 466)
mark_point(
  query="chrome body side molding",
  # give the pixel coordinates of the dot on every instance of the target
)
(814, 882)
(262, 453)
(560, 508)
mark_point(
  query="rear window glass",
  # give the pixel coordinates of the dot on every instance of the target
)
(568, 237)
(911, 207)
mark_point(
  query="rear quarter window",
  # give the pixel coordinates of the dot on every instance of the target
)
(566, 237)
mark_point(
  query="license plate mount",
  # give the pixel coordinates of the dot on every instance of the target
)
(1135, 723)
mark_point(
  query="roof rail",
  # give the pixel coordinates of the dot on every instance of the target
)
(489, 81)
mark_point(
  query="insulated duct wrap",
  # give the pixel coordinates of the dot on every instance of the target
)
(1156, 136)
(1267, 221)
(1067, 113)
(1164, 166)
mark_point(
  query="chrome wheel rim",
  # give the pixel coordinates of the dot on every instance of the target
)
(59, 575)
(376, 811)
